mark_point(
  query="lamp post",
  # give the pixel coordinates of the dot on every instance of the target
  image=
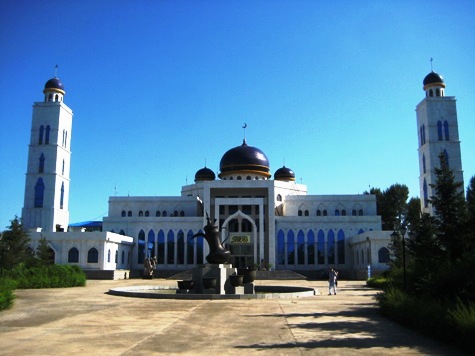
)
(402, 232)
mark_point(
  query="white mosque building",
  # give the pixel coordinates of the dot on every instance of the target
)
(265, 219)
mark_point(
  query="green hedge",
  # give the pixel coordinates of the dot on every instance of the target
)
(377, 282)
(52, 276)
(7, 286)
(440, 319)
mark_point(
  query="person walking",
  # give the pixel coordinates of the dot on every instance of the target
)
(332, 276)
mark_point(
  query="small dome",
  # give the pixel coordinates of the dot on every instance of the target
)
(244, 159)
(432, 79)
(285, 174)
(54, 84)
(204, 174)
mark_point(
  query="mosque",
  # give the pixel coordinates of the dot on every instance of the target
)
(265, 220)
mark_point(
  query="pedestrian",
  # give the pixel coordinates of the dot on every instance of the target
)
(332, 276)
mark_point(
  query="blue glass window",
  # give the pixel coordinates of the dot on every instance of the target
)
(61, 199)
(383, 255)
(39, 193)
(311, 248)
(48, 131)
(141, 247)
(40, 138)
(446, 131)
(41, 168)
(300, 248)
(170, 247)
(180, 244)
(92, 255)
(151, 243)
(290, 248)
(161, 247)
(321, 247)
(280, 248)
(341, 247)
(190, 247)
(439, 130)
(73, 255)
(331, 247)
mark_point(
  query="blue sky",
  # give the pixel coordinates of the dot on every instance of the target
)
(159, 87)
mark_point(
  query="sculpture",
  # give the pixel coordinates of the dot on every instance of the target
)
(149, 266)
(218, 254)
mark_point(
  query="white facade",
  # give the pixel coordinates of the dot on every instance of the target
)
(438, 133)
(49, 156)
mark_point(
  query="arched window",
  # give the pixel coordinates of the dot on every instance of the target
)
(360, 212)
(248, 178)
(50, 97)
(66, 139)
(319, 213)
(175, 213)
(325, 212)
(141, 247)
(140, 213)
(122, 260)
(307, 213)
(337, 212)
(39, 193)
(437, 92)
(300, 213)
(164, 213)
(161, 247)
(280, 248)
(41, 168)
(122, 232)
(180, 245)
(343, 212)
(353, 212)
(129, 213)
(424, 188)
(290, 248)
(431, 93)
(61, 198)
(73, 255)
(279, 197)
(423, 163)
(92, 255)
(40, 138)
(300, 248)
(439, 130)
(123, 214)
(321, 247)
(157, 214)
(108, 255)
(151, 243)
(147, 213)
(341, 247)
(190, 248)
(62, 169)
(116, 258)
(331, 247)
(383, 255)
(182, 213)
(446, 130)
(446, 157)
(47, 134)
(170, 247)
(311, 248)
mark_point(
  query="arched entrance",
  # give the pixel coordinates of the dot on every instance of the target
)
(239, 232)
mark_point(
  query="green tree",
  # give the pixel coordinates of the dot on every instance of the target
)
(471, 202)
(43, 253)
(450, 211)
(391, 204)
(14, 245)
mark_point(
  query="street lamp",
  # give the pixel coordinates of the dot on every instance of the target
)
(402, 233)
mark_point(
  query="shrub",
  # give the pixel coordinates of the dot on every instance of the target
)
(377, 282)
(53, 276)
(7, 286)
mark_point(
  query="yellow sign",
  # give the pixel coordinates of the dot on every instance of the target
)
(241, 239)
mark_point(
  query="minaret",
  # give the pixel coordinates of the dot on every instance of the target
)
(438, 132)
(49, 157)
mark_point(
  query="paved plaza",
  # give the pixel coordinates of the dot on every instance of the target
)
(86, 320)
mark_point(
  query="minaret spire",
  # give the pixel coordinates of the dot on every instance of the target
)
(244, 127)
(56, 71)
(431, 59)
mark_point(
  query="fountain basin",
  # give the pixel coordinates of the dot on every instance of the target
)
(167, 292)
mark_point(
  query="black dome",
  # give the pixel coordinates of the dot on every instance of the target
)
(204, 174)
(433, 78)
(244, 159)
(54, 83)
(284, 174)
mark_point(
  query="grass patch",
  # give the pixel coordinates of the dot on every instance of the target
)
(52, 276)
(377, 282)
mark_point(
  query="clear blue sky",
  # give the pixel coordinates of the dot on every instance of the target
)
(158, 87)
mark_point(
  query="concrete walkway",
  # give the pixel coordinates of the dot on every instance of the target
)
(85, 320)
